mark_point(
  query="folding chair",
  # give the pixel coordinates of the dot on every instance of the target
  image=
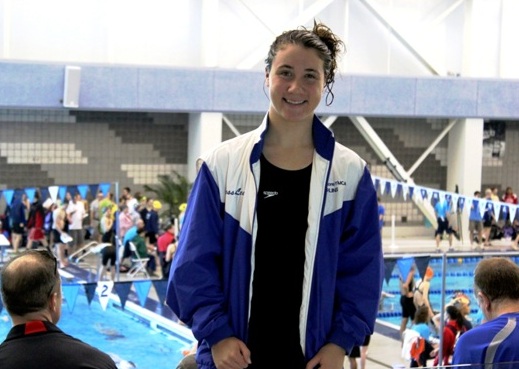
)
(138, 264)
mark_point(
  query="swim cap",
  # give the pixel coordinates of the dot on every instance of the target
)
(429, 273)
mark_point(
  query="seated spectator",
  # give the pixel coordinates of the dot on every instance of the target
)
(128, 236)
(453, 328)
(421, 325)
(31, 292)
(164, 242)
(496, 287)
(146, 251)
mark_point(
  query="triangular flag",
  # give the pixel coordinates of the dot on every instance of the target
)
(497, 209)
(104, 289)
(513, 212)
(72, 189)
(461, 203)
(105, 187)
(389, 265)
(394, 186)
(411, 192)
(83, 190)
(90, 290)
(376, 182)
(30, 193)
(422, 262)
(143, 289)
(62, 192)
(454, 199)
(161, 286)
(482, 206)
(53, 193)
(123, 290)
(70, 292)
(383, 184)
(423, 192)
(404, 266)
(405, 191)
(93, 189)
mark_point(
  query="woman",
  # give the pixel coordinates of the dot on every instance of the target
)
(451, 331)
(281, 209)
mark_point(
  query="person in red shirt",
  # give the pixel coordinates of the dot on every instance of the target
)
(509, 196)
(166, 245)
(453, 328)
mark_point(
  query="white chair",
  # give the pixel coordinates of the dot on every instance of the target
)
(139, 264)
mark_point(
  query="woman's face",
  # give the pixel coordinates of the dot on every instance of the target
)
(296, 82)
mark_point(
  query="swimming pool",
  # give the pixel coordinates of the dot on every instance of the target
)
(458, 277)
(134, 337)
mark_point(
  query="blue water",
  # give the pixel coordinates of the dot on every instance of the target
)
(458, 277)
(119, 333)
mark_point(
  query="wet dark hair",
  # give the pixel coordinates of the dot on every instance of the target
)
(455, 314)
(320, 38)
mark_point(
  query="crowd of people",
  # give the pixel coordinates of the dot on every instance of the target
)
(65, 227)
(487, 220)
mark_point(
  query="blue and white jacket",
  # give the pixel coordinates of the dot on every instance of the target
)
(210, 285)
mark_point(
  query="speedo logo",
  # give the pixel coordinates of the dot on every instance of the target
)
(267, 194)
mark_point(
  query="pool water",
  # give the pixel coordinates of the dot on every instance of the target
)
(458, 277)
(131, 341)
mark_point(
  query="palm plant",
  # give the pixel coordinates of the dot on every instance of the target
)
(172, 190)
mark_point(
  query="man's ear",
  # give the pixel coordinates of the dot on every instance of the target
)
(267, 77)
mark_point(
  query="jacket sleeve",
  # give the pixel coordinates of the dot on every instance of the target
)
(360, 269)
(195, 291)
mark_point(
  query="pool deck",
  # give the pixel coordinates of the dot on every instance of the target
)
(384, 350)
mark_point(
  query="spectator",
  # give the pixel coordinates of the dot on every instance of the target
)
(58, 229)
(452, 329)
(75, 214)
(146, 250)
(442, 210)
(132, 203)
(95, 216)
(509, 196)
(31, 292)
(419, 355)
(125, 221)
(35, 222)
(489, 218)
(152, 222)
(164, 242)
(496, 287)
(476, 222)
(18, 217)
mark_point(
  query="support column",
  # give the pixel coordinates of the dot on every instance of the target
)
(464, 162)
(205, 132)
